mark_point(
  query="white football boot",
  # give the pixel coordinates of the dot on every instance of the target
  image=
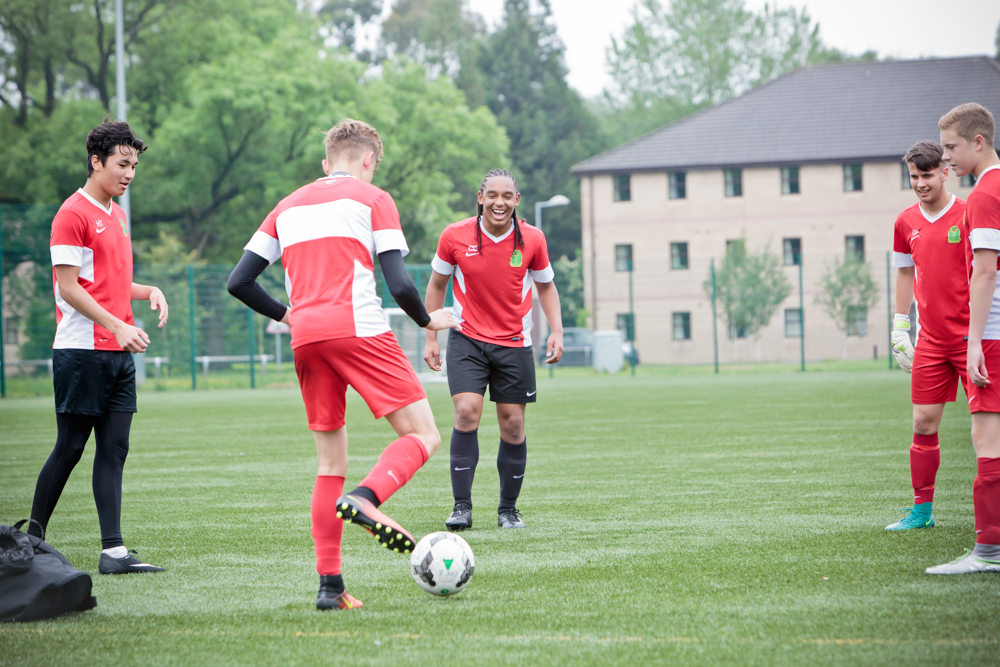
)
(965, 564)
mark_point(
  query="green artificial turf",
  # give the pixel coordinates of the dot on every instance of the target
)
(672, 519)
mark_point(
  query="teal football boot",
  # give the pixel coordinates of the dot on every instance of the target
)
(919, 516)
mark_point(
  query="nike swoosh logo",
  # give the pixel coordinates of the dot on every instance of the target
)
(532, 393)
(389, 472)
(518, 476)
(460, 469)
(471, 254)
(101, 230)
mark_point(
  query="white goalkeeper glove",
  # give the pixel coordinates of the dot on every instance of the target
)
(902, 348)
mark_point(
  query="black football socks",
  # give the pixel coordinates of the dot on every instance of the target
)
(464, 459)
(511, 460)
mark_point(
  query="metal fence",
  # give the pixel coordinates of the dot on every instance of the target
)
(211, 339)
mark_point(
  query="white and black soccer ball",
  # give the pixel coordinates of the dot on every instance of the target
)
(442, 563)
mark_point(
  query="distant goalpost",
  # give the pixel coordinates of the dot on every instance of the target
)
(411, 338)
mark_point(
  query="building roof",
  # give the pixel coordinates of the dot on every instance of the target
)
(867, 111)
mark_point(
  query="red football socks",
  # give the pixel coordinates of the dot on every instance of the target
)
(326, 527)
(986, 501)
(398, 463)
(925, 458)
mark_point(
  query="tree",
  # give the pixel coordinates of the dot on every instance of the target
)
(549, 127)
(848, 290)
(569, 281)
(344, 19)
(750, 287)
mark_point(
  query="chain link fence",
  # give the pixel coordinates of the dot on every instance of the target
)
(210, 341)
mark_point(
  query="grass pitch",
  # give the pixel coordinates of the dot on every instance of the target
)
(672, 519)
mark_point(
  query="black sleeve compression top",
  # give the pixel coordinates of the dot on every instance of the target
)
(243, 285)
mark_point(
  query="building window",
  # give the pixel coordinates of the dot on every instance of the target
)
(623, 187)
(968, 180)
(679, 256)
(623, 257)
(789, 180)
(734, 182)
(682, 326)
(906, 176)
(793, 323)
(737, 332)
(792, 251)
(852, 178)
(854, 248)
(731, 243)
(626, 324)
(678, 185)
(11, 328)
(857, 321)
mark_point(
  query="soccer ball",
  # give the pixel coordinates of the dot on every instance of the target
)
(442, 563)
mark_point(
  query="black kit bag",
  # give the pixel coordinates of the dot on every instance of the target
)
(36, 581)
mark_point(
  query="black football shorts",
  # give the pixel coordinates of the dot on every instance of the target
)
(473, 364)
(93, 382)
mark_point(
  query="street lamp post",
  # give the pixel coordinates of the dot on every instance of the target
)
(558, 200)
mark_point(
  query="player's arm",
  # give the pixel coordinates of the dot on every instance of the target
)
(981, 288)
(243, 285)
(155, 297)
(434, 300)
(129, 338)
(902, 348)
(548, 297)
(402, 289)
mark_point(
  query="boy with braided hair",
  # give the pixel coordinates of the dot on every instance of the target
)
(494, 260)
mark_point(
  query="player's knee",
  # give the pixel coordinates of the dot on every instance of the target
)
(431, 437)
(922, 425)
(466, 417)
(512, 428)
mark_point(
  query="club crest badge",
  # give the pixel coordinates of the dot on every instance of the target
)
(954, 235)
(516, 259)
(124, 227)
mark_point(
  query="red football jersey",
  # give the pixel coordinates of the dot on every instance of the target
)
(325, 234)
(983, 216)
(938, 246)
(492, 284)
(95, 238)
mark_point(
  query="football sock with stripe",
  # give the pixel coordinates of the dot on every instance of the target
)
(326, 527)
(925, 458)
(511, 461)
(986, 501)
(398, 463)
(464, 459)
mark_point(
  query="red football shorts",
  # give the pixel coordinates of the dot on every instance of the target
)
(987, 399)
(375, 366)
(936, 372)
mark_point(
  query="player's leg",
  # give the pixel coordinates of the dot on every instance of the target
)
(925, 458)
(327, 528)
(72, 433)
(984, 402)
(512, 386)
(468, 375)
(377, 368)
(934, 382)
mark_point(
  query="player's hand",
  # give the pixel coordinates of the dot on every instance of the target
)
(158, 302)
(976, 365)
(902, 348)
(442, 319)
(554, 348)
(131, 339)
(432, 355)
(288, 314)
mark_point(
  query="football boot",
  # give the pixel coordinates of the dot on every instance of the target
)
(329, 598)
(461, 517)
(509, 519)
(128, 564)
(965, 564)
(919, 516)
(363, 512)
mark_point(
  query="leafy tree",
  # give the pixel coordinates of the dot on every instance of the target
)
(549, 126)
(750, 287)
(848, 288)
(569, 281)
(345, 19)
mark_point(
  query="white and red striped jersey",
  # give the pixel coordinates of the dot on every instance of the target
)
(325, 234)
(983, 216)
(492, 283)
(95, 238)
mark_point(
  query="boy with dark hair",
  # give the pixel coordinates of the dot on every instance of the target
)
(967, 137)
(932, 257)
(92, 367)
(325, 233)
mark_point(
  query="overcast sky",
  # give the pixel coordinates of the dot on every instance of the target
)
(909, 29)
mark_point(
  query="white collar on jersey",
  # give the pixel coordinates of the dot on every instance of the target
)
(495, 239)
(934, 218)
(96, 203)
(336, 174)
(985, 171)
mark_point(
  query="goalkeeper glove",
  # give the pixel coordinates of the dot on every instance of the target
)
(902, 348)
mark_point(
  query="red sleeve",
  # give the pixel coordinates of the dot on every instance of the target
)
(540, 258)
(384, 213)
(69, 228)
(901, 240)
(983, 211)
